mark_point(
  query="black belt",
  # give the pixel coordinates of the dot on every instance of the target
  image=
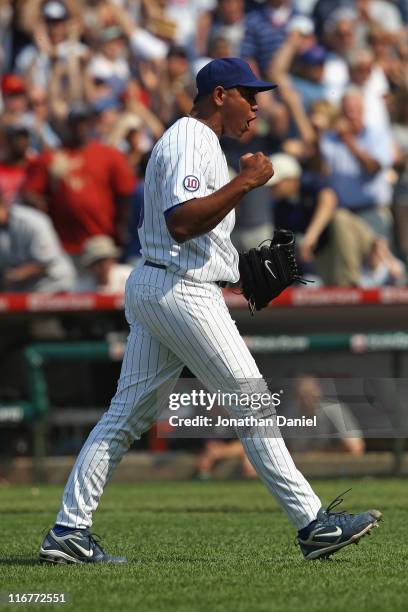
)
(153, 264)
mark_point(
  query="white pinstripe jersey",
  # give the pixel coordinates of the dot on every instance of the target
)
(187, 162)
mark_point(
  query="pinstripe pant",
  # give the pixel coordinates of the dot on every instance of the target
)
(174, 321)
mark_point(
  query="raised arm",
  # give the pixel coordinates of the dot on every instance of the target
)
(199, 216)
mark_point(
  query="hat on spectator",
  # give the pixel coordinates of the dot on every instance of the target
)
(302, 24)
(55, 11)
(229, 72)
(12, 84)
(97, 248)
(16, 129)
(110, 33)
(104, 104)
(177, 51)
(315, 56)
(78, 111)
(129, 122)
(285, 167)
(344, 13)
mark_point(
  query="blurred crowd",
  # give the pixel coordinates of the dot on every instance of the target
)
(89, 86)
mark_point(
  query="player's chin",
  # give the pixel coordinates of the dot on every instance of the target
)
(237, 131)
(241, 131)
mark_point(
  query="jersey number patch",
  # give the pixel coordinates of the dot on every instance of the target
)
(191, 183)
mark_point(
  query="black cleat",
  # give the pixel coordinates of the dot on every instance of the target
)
(332, 531)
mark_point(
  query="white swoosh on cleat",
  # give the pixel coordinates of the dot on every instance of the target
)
(332, 534)
(84, 551)
(267, 263)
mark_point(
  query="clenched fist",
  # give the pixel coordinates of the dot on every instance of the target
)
(256, 169)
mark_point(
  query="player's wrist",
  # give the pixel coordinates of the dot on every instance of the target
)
(244, 182)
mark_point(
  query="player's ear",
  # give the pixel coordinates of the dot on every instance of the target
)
(219, 94)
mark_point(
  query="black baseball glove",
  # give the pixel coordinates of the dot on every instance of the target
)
(267, 270)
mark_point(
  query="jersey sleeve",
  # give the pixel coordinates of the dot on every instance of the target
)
(185, 161)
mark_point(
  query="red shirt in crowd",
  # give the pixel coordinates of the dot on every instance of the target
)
(80, 186)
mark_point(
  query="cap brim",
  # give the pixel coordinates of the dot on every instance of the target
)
(258, 85)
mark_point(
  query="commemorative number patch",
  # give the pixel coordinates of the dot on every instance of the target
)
(191, 183)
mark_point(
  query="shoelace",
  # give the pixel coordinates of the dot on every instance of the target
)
(333, 517)
(96, 540)
(340, 516)
(294, 270)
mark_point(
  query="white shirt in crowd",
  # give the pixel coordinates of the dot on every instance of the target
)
(30, 237)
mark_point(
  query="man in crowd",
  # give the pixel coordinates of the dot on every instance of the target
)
(103, 273)
(84, 186)
(344, 249)
(14, 97)
(31, 257)
(265, 31)
(337, 429)
(14, 142)
(358, 157)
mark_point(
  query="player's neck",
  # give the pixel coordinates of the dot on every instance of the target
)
(208, 118)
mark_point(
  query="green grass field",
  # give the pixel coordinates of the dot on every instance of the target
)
(209, 546)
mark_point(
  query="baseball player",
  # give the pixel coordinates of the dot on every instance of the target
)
(177, 316)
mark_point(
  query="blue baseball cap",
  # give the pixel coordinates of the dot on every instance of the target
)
(228, 72)
(315, 56)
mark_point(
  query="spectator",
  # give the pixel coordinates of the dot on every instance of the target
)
(100, 14)
(358, 157)
(370, 78)
(229, 24)
(103, 274)
(106, 116)
(344, 250)
(127, 136)
(337, 430)
(378, 12)
(390, 55)
(84, 186)
(304, 205)
(177, 88)
(55, 38)
(31, 257)
(323, 9)
(13, 163)
(304, 65)
(339, 37)
(109, 66)
(15, 103)
(192, 20)
(37, 120)
(265, 31)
